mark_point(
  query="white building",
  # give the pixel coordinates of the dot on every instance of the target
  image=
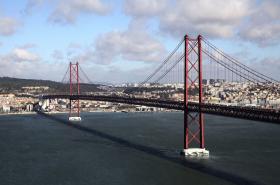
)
(6, 108)
(29, 107)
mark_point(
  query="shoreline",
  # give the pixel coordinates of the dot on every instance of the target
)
(17, 113)
(98, 111)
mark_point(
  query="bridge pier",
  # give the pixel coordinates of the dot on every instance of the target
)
(74, 109)
(193, 122)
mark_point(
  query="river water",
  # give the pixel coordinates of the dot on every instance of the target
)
(134, 148)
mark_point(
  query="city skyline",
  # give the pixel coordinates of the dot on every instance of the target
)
(38, 38)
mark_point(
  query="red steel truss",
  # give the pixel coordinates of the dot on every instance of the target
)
(74, 110)
(193, 122)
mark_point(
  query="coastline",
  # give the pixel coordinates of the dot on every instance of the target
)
(64, 112)
(17, 113)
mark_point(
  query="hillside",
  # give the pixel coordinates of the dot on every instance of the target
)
(12, 85)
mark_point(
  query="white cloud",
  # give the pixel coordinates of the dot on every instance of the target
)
(264, 24)
(19, 55)
(24, 55)
(31, 4)
(8, 26)
(255, 21)
(269, 66)
(144, 8)
(266, 34)
(23, 63)
(211, 18)
(133, 44)
(57, 55)
(34, 70)
(66, 11)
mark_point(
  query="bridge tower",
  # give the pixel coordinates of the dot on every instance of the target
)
(193, 91)
(74, 88)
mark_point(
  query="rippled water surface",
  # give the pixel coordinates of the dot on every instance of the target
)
(134, 148)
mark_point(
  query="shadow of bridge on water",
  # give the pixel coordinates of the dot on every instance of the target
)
(156, 152)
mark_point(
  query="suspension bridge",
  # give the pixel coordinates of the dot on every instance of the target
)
(198, 66)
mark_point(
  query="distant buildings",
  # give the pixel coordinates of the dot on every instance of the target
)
(35, 88)
(214, 91)
(13, 103)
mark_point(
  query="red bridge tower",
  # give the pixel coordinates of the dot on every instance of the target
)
(74, 111)
(193, 122)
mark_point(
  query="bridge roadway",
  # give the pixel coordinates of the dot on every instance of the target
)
(250, 113)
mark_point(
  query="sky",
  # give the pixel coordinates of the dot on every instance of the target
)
(119, 41)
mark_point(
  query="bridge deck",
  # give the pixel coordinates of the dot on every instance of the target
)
(250, 113)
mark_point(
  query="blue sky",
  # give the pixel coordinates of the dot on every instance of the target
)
(122, 41)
